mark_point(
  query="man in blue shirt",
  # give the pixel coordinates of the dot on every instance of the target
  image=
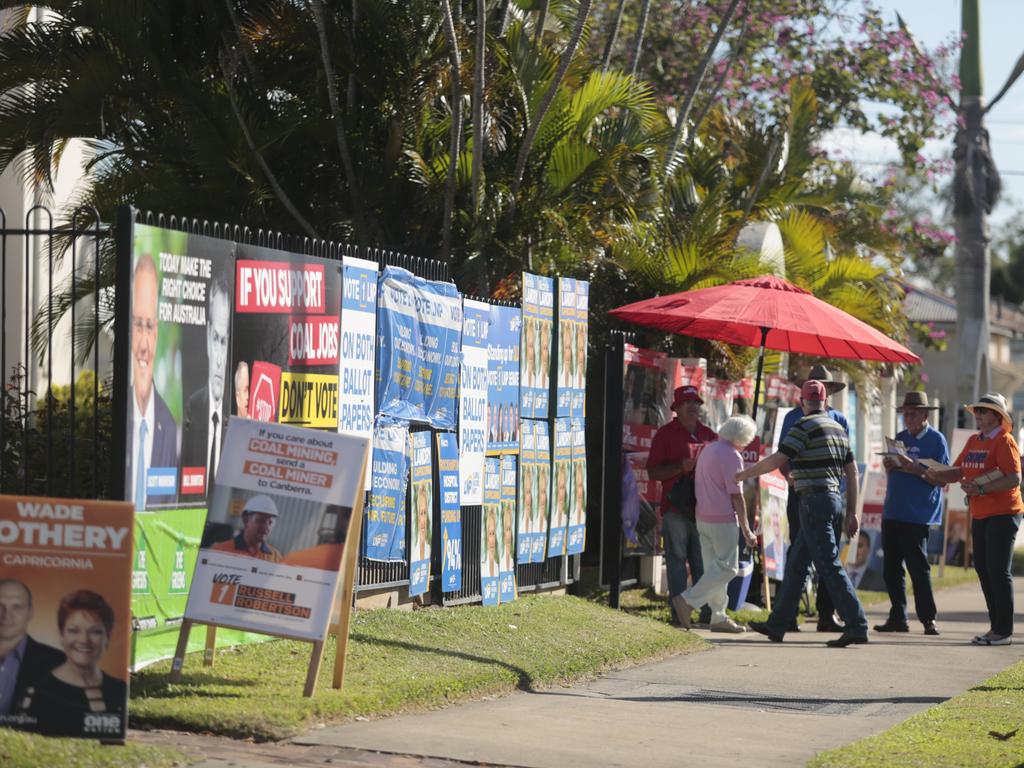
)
(912, 503)
(823, 603)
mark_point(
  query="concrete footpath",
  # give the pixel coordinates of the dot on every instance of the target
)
(745, 702)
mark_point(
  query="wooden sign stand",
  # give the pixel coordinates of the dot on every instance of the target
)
(346, 579)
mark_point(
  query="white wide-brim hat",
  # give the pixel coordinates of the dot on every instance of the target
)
(993, 401)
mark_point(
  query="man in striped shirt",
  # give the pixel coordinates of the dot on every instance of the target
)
(818, 452)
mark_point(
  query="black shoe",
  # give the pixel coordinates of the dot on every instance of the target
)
(894, 626)
(794, 627)
(929, 628)
(761, 627)
(845, 639)
(830, 626)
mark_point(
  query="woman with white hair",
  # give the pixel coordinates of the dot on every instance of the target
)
(720, 512)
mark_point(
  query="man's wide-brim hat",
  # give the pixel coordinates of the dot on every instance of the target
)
(822, 374)
(916, 400)
(994, 402)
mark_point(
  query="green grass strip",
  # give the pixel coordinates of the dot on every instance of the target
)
(24, 750)
(402, 660)
(964, 731)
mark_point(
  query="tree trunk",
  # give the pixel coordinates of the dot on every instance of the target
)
(545, 104)
(542, 19)
(455, 134)
(613, 35)
(478, 102)
(702, 68)
(641, 28)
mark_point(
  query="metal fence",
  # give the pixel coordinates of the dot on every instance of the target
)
(60, 326)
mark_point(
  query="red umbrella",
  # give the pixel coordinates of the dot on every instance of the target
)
(766, 312)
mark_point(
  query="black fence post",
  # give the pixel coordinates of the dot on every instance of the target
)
(611, 469)
(123, 229)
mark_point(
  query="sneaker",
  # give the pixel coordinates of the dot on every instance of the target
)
(929, 628)
(729, 626)
(992, 640)
(761, 627)
(896, 626)
(683, 611)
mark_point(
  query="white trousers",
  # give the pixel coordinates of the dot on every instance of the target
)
(719, 549)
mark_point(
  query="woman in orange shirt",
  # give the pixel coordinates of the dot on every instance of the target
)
(988, 469)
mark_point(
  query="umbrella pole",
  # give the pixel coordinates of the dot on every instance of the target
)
(760, 370)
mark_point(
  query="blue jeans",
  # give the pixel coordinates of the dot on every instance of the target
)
(682, 546)
(821, 514)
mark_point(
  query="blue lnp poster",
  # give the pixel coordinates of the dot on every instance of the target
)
(421, 510)
(560, 504)
(542, 490)
(565, 347)
(419, 340)
(527, 509)
(491, 554)
(358, 347)
(389, 472)
(451, 512)
(507, 573)
(503, 334)
(535, 347)
(578, 490)
(473, 401)
(579, 386)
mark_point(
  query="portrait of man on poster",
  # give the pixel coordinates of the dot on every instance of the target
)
(203, 424)
(152, 430)
(23, 659)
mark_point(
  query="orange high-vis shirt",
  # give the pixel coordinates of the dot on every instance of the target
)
(979, 457)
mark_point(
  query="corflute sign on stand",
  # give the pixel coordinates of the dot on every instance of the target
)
(503, 342)
(419, 332)
(560, 507)
(473, 406)
(421, 513)
(385, 515)
(490, 533)
(358, 347)
(65, 616)
(527, 507)
(542, 489)
(565, 348)
(576, 538)
(451, 512)
(507, 589)
(535, 348)
(579, 356)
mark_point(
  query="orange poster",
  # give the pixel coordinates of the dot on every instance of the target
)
(65, 615)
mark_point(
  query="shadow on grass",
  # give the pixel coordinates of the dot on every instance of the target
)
(525, 681)
(157, 686)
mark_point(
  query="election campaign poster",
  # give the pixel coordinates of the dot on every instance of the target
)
(562, 467)
(419, 348)
(542, 490)
(581, 328)
(577, 482)
(503, 340)
(774, 523)
(491, 532)
(358, 347)
(182, 292)
(565, 347)
(385, 514)
(65, 601)
(421, 513)
(278, 524)
(476, 320)
(864, 553)
(288, 325)
(451, 512)
(507, 572)
(535, 347)
(527, 484)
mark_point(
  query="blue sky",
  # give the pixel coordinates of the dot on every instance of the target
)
(932, 22)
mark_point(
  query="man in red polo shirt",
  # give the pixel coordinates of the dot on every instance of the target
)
(673, 455)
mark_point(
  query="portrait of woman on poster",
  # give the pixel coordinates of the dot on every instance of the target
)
(529, 350)
(580, 486)
(542, 496)
(59, 702)
(562, 491)
(544, 369)
(490, 543)
(567, 372)
(508, 545)
(581, 354)
(421, 528)
(527, 508)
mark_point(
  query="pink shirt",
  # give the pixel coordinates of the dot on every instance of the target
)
(717, 465)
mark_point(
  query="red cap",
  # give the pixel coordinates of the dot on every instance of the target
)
(813, 390)
(686, 394)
